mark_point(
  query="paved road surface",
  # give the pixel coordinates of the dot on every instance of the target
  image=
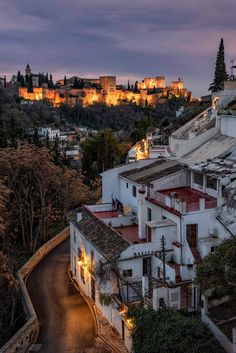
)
(66, 322)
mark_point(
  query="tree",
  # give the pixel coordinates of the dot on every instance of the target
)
(65, 81)
(30, 83)
(50, 84)
(36, 140)
(9, 294)
(47, 142)
(128, 86)
(75, 85)
(22, 81)
(56, 151)
(166, 331)
(220, 69)
(19, 77)
(40, 79)
(103, 149)
(217, 270)
(136, 86)
(41, 195)
(46, 78)
(5, 81)
(3, 137)
(12, 133)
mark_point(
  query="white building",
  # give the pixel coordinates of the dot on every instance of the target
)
(50, 131)
(158, 220)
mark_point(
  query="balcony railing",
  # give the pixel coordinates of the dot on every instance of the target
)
(181, 205)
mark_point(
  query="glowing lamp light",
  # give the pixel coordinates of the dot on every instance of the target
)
(123, 309)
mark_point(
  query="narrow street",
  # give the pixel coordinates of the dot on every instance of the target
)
(66, 322)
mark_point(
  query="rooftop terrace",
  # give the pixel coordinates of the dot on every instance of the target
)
(183, 200)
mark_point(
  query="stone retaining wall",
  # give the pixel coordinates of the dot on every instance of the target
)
(27, 335)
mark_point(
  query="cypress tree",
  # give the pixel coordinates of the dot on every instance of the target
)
(65, 81)
(19, 77)
(40, 79)
(136, 86)
(36, 140)
(56, 151)
(30, 83)
(46, 78)
(51, 84)
(75, 85)
(47, 142)
(220, 69)
(22, 81)
(128, 86)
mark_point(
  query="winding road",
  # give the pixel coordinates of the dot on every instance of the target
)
(66, 322)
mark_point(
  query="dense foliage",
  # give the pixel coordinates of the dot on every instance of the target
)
(41, 193)
(168, 331)
(101, 152)
(10, 316)
(220, 69)
(218, 269)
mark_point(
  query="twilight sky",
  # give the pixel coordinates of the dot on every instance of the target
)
(128, 38)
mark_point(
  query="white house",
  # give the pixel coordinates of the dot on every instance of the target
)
(158, 220)
(50, 131)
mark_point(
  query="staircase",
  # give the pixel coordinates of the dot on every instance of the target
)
(196, 255)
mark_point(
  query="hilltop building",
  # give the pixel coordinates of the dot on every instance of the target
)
(103, 89)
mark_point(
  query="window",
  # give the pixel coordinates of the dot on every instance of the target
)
(174, 296)
(211, 183)
(74, 265)
(127, 273)
(82, 274)
(147, 269)
(149, 234)
(92, 261)
(74, 237)
(192, 233)
(93, 289)
(198, 178)
(161, 303)
(149, 214)
(127, 185)
(79, 254)
(213, 248)
(134, 191)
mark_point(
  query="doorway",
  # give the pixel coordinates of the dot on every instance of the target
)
(192, 232)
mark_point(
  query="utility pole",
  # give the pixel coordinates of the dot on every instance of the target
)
(163, 250)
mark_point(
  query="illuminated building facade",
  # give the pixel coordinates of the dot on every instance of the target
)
(104, 89)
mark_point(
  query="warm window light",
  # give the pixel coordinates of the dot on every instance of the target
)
(80, 262)
(130, 323)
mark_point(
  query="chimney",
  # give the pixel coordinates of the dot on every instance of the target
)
(141, 214)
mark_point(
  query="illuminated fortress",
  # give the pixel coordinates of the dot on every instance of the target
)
(104, 89)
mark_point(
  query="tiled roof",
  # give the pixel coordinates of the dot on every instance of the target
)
(152, 172)
(103, 237)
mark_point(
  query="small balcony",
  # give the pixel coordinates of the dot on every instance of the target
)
(183, 200)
